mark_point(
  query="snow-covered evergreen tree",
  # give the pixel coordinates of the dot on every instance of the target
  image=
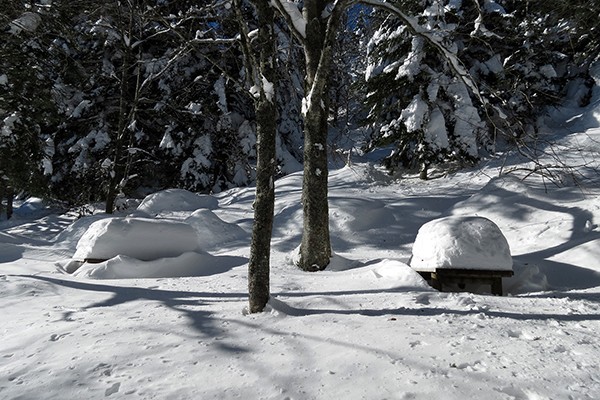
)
(416, 103)
(146, 103)
(521, 56)
(27, 114)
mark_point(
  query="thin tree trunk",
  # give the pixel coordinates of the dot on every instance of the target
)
(315, 250)
(10, 197)
(266, 127)
(127, 105)
(117, 167)
(2, 195)
(260, 248)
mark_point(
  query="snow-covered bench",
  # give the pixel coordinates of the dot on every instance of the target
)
(461, 276)
(141, 238)
(459, 250)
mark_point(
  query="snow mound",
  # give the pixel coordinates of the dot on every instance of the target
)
(185, 265)
(400, 272)
(31, 207)
(461, 242)
(72, 233)
(176, 200)
(505, 185)
(212, 231)
(144, 239)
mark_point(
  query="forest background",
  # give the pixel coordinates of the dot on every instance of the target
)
(101, 101)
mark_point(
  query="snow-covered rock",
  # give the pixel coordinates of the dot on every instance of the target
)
(467, 242)
(141, 238)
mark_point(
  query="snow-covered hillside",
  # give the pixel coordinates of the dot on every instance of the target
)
(368, 327)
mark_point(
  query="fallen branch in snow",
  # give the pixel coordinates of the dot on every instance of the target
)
(550, 166)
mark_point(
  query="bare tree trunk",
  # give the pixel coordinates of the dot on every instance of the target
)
(263, 76)
(260, 248)
(8, 193)
(116, 170)
(10, 197)
(128, 102)
(315, 249)
(2, 194)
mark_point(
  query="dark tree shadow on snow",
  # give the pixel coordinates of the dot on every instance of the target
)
(188, 303)
(518, 206)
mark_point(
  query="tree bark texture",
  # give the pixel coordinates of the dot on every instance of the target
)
(315, 249)
(2, 195)
(10, 198)
(266, 128)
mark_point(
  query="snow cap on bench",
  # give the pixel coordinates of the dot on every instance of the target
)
(464, 242)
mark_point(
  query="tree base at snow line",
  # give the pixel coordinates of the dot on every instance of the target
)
(8, 193)
(461, 277)
(314, 262)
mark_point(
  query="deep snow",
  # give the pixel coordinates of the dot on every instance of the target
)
(366, 328)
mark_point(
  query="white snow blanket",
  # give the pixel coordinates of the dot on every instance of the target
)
(467, 242)
(141, 238)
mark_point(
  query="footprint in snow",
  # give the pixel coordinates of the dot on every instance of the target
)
(522, 335)
(417, 343)
(56, 337)
(423, 299)
(113, 389)
(477, 366)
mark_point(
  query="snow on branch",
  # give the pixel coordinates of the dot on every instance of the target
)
(413, 25)
(293, 15)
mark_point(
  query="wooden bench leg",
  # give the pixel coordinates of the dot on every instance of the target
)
(436, 283)
(497, 286)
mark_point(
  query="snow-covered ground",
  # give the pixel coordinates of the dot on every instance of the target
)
(368, 327)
